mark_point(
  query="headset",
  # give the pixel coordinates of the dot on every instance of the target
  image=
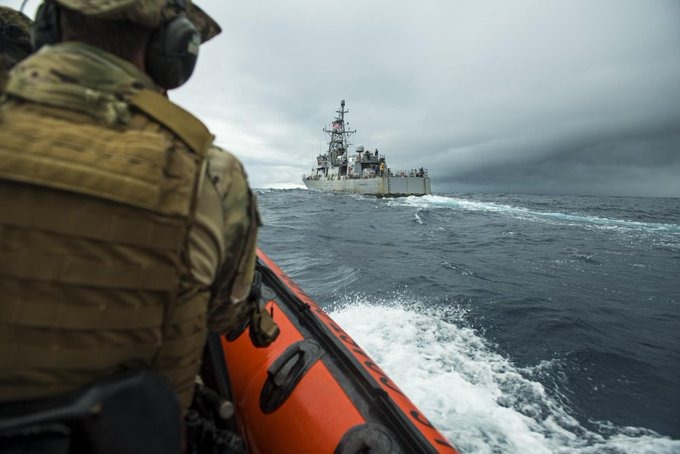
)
(171, 53)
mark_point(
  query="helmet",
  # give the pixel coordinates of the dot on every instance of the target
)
(149, 13)
(15, 37)
(179, 28)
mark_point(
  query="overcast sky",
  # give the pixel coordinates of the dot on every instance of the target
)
(542, 96)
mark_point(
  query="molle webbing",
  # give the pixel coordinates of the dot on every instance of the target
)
(56, 315)
(80, 272)
(50, 357)
(180, 354)
(191, 130)
(58, 312)
(59, 285)
(87, 217)
(135, 167)
(126, 167)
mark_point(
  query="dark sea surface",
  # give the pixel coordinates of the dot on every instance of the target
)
(517, 323)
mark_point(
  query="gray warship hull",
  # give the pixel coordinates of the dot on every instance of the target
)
(386, 186)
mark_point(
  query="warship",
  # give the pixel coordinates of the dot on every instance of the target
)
(363, 172)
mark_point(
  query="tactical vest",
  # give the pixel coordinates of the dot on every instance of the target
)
(94, 272)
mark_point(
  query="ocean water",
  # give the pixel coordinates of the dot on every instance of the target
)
(516, 323)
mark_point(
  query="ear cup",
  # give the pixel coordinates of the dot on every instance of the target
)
(46, 28)
(172, 52)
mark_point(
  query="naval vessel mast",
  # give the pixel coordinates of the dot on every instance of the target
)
(338, 145)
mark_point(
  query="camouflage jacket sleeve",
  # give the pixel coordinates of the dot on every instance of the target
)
(223, 239)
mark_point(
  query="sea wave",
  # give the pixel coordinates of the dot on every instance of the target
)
(475, 396)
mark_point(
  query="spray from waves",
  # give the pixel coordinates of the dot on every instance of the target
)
(477, 398)
(528, 214)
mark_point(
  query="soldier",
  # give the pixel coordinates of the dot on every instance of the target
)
(15, 39)
(124, 232)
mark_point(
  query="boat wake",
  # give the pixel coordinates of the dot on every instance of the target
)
(523, 213)
(475, 396)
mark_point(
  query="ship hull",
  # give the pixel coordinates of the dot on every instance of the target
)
(394, 186)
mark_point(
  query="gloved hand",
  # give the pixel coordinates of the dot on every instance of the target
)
(263, 330)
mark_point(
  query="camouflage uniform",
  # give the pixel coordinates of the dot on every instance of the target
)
(124, 232)
(15, 38)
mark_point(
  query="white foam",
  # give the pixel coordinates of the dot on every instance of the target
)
(418, 219)
(434, 201)
(476, 397)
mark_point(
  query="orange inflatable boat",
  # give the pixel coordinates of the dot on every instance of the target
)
(314, 390)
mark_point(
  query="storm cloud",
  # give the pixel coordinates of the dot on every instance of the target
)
(540, 96)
